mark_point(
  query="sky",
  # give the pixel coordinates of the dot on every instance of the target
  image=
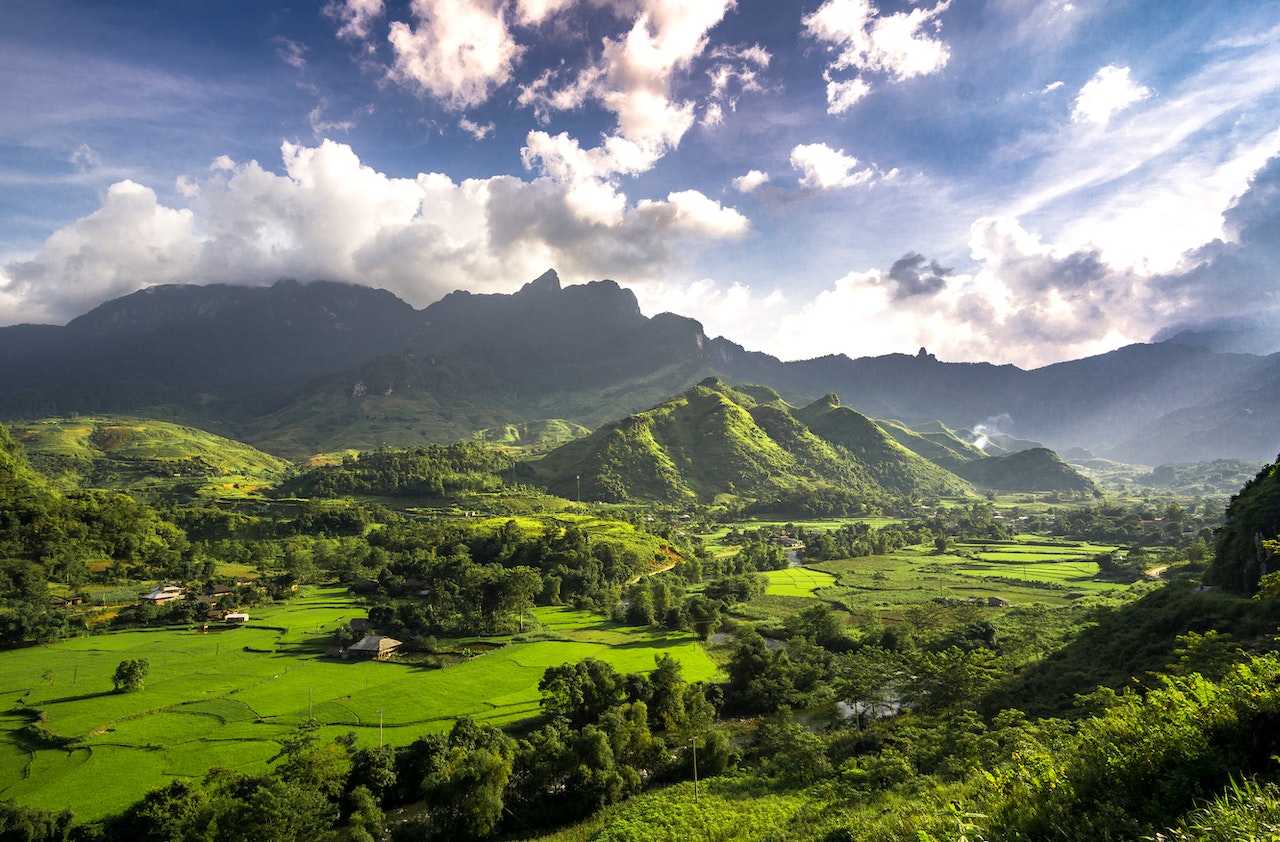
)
(1016, 181)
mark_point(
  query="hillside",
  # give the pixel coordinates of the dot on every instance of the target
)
(934, 441)
(1253, 518)
(145, 457)
(745, 442)
(894, 466)
(1036, 470)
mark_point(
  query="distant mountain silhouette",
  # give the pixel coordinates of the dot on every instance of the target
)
(296, 368)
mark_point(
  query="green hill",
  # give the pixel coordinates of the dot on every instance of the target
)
(1253, 517)
(746, 442)
(1035, 470)
(934, 441)
(145, 456)
(894, 466)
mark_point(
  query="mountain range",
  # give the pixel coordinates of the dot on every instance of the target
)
(299, 368)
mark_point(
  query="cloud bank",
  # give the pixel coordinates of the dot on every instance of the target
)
(330, 216)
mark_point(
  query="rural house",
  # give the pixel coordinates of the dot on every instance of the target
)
(163, 594)
(378, 647)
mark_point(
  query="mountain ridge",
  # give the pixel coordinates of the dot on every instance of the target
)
(360, 367)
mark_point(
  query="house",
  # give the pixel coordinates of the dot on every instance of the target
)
(363, 625)
(997, 602)
(376, 646)
(236, 618)
(161, 595)
(66, 602)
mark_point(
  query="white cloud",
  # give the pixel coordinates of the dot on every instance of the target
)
(841, 96)
(1147, 193)
(321, 126)
(633, 76)
(693, 212)
(85, 158)
(825, 168)
(356, 16)
(130, 242)
(532, 12)
(330, 216)
(749, 182)
(459, 51)
(291, 53)
(735, 71)
(1027, 303)
(479, 132)
(1110, 90)
(898, 45)
(734, 311)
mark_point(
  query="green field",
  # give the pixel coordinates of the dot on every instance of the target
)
(1020, 571)
(797, 581)
(227, 697)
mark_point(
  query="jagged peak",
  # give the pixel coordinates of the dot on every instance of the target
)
(547, 282)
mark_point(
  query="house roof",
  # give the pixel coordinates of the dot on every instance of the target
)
(375, 643)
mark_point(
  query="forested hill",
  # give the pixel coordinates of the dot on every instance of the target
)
(743, 442)
(1249, 543)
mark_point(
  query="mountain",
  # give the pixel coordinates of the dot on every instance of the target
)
(216, 350)
(1035, 470)
(714, 440)
(302, 368)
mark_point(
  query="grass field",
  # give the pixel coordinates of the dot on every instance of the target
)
(1021, 571)
(797, 581)
(226, 698)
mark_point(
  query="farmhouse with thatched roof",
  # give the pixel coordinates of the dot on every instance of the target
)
(373, 646)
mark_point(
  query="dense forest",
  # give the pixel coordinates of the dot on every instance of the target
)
(1140, 713)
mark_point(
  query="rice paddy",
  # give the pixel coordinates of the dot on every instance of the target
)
(227, 697)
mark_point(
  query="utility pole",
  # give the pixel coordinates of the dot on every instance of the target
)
(379, 727)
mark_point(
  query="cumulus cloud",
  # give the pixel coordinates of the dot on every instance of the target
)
(458, 51)
(824, 168)
(633, 76)
(1109, 91)
(355, 16)
(131, 241)
(328, 215)
(899, 46)
(841, 96)
(532, 12)
(749, 182)
(1026, 302)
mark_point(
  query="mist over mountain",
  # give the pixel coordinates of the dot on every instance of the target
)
(297, 368)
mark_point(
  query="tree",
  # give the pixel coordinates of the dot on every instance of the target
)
(130, 673)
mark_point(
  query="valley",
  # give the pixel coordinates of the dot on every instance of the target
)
(474, 598)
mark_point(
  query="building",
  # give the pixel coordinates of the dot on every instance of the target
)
(163, 594)
(376, 646)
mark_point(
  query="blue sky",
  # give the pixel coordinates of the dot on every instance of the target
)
(1018, 181)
